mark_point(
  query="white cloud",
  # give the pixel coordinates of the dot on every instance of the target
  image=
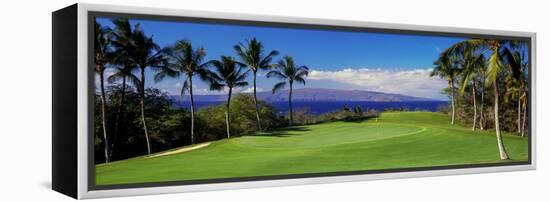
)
(109, 72)
(207, 91)
(106, 74)
(251, 90)
(225, 90)
(414, 82)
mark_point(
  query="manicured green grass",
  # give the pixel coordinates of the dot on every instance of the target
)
(395, 140)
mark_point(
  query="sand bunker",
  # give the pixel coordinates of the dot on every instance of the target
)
(184, 149)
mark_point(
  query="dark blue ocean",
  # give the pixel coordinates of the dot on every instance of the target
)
(330, 106)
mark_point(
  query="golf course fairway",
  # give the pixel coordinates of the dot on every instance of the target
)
(394, 140)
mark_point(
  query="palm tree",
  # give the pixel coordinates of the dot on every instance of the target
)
(102, 54)
(288, 71)
(122, 44)
(472, 64)
(495, 67)
(524, 96)
(185, 61)
(124, 74)
(513, 93)
(146, 54)
(227, 74)
(446, 68)
(482, 101)
(252, 54)
(516, 82)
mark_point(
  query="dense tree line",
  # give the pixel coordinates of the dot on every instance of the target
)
(128, 50)
(169, 125)
(487, 85)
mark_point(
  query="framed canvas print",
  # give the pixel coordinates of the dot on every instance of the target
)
(150, 101)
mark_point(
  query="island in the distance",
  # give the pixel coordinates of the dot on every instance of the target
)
(319, 95)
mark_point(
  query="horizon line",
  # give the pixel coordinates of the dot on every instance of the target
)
(220, 94)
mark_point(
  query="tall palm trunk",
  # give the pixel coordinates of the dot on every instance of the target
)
(481, 116)
(501, 149)
(524, 118)
(103, 101)
(227, 112)
(290, 104)
(452, 100)
(142, 106)
(475, 106)
(519, 110)
(256, 105)
(118, 115)
(192, 108)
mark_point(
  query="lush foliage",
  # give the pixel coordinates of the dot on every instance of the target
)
(243, 122)
(168, 124)
(502, 70)
(474, 98)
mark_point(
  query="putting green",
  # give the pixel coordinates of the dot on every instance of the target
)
(322, 135)
(395, 140)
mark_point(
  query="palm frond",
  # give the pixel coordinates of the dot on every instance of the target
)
(466, 45)
(513, 59)
(203, 70)
(302, 71)
(300, 80)
(275, 73)
(115, 77)
(227, 72)
(216, 86)
(265, 63)
(445, 66)
(278, 86)
(493, 67)
(166, 72)
(241, 76)
(240, 84)
(134, 80)
(464, 81)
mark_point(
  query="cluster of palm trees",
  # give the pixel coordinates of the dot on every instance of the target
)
(128, 50)
(482, 65)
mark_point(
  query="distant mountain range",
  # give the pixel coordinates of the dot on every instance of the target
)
(319, 95)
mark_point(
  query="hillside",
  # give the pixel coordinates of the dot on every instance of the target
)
(323, 95)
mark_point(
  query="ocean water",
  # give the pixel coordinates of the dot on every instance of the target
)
(330, 106)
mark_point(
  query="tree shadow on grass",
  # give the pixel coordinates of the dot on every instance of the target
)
(282, 132)
(358, 119)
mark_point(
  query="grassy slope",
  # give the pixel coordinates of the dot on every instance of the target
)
(395, 140)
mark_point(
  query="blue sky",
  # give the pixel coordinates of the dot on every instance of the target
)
(391, 63)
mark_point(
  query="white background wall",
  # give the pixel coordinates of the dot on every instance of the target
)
(25, 98)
